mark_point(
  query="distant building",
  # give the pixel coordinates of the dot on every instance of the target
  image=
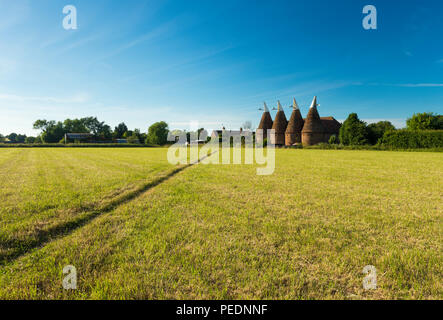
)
(309, 131)
(216, 133)
(332, 127)
(230, 133)
(84, 137)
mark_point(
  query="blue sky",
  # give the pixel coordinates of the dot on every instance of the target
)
(215, 62)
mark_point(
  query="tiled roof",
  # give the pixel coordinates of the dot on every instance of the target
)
(330, 124)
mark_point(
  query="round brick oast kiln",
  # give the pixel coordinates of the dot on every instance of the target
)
(265, 124)
(279, 125)
(313, 131)
(295, 126)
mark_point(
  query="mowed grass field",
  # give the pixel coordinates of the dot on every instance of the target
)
(136, 227)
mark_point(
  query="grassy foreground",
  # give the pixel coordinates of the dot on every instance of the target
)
(45, 192)
(221, 231)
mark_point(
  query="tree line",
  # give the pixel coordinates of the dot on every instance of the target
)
(54, 132)
(357, 132)
(423, 130)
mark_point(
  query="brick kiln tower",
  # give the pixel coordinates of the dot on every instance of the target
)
(295, 126)
(313, 130)
(280, 124)
(265, 123)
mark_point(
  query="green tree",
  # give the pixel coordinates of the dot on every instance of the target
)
(141, 136)
(128, 134)
(158, 133)
(30, 140)
(52, 132)
(98, 128)
(93, 125)
(2, 138)
(353, 131)
(333, 139)
(377, 130)
(133, 138)
(16, 138)
(75, 126)
(119, 131)
(12, 137)
(21, 138)
(42, 124)
(425, 121)
(104, 133)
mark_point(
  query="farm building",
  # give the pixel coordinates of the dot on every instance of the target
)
(83, 137)
(309, 131)
(229, 133)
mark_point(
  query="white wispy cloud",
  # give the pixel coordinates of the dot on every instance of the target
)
(194, 60)
(78, 98)
(157, 32)
(420, 85)
(82, 42)
(305, 89)
(408, 85)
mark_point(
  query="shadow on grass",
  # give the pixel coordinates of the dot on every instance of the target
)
(14, 248)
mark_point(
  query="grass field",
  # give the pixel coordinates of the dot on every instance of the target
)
(137, 227)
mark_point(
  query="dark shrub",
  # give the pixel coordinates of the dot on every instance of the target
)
(409, 139)
(333, 139)
(353, 131)
(425, 121)
(377, 130)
